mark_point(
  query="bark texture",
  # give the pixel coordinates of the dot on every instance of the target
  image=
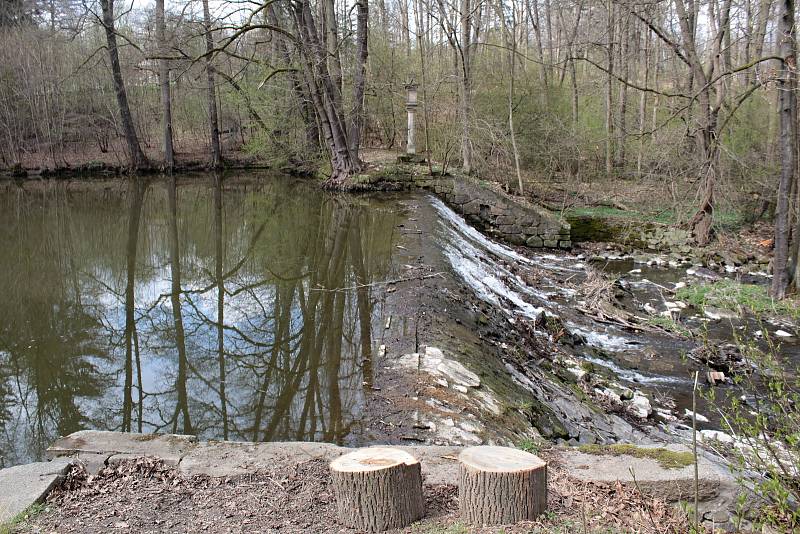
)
(500, 485)
(788, 111)
(378, 489)
(135, 155)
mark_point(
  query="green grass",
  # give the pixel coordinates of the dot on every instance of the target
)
(457, 528)
(528, 445)
(21, 518)
(670, 325)
(666, 458)
(666, 217)
(732, 295)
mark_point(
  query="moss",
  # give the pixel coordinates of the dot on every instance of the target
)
(732, 295)
(666, 458)
(14, 524)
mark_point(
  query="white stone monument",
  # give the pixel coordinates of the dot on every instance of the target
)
(411, 107)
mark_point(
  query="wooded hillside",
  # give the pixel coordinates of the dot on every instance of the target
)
(694, 100)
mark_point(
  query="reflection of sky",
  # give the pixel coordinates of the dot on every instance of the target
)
(101, 280)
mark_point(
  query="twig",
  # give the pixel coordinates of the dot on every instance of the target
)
(382, 283)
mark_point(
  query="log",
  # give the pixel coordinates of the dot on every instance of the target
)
(501, 486)
(378, 488)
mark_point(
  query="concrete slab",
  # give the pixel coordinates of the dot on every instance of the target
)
(218, 459)
(170, 447)
(715, 483)
(24, 485)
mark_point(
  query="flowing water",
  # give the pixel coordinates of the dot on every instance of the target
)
(247, 308)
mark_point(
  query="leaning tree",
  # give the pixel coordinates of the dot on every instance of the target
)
(310, 34)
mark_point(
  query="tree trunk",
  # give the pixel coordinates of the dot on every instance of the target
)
(359, 83)
(163, 80)
(610, 89)
(466, 86)
(500, 485)
(622, 108)
(378, 488)
(788, 110)
(322, 90)
(136, 157)
(211, 90)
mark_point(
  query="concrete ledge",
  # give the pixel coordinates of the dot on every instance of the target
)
(24, 485)
(670, 484)
(717, 487)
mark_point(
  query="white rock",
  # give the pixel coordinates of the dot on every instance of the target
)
(577, 371)
(640, 406)
(610, 394)
(783, 333)
(715, 435)
(460, 388)
(680, 285)
(634, 271)
(666, 415)
(469, 427)
(688, 414)
(441, 368)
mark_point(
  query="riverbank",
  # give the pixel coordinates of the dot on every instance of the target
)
(106, 165)
(141, 483)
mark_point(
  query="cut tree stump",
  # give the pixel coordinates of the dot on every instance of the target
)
(378, 488)
(501, 486)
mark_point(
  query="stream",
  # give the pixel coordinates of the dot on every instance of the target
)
(251, 308)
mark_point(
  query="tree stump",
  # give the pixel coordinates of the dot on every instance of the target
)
(501, 486)
(378, 488)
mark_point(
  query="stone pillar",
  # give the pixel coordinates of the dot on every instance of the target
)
(411, 148)
(411, 107)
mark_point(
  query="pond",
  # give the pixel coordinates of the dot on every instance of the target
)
(237, 309)
(259, 308)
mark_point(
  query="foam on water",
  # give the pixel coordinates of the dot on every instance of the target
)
(635, 376)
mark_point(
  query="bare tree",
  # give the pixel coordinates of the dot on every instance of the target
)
(213, 118)
(136, 157)
(164, 82)
(787, 86)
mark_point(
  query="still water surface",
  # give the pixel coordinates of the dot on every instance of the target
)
(232, 309)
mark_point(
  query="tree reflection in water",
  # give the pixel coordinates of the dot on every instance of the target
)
(231, 309)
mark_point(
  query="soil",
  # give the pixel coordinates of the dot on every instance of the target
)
(145, 495)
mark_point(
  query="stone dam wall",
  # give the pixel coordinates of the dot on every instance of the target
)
(494, 212)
